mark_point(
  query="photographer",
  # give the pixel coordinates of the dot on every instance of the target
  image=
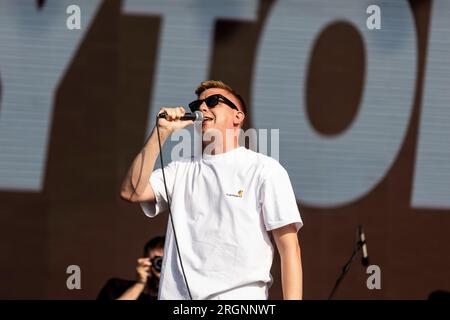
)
(148, 272)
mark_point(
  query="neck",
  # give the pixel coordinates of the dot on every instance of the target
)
(221, 144)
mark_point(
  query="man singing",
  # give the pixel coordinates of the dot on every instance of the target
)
(224, 204)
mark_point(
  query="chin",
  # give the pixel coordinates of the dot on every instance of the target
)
(206, 128)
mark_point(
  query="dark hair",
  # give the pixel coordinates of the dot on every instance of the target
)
(156, 242)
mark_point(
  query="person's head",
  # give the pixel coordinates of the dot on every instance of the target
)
(224, 109)
(154, 247)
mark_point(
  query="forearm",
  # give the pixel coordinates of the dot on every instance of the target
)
(292, 275)
(133, 292)
(136, 180)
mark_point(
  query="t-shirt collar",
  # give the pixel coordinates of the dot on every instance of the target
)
(225, 155)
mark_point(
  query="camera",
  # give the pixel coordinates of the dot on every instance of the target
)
(157, 263)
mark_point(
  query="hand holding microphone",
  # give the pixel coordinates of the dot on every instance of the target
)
(172, 119)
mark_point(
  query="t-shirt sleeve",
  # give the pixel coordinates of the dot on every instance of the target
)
(278, 202)
(152, 209)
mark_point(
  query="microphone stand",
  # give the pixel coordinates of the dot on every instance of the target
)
(346, 268)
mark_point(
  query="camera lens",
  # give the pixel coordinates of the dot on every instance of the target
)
(157, 263)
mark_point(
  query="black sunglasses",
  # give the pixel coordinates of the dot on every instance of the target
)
(211, 102)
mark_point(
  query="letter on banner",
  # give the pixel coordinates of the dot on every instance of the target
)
(325, 171)
(35, 50)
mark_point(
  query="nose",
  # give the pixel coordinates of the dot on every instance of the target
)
(203, 107)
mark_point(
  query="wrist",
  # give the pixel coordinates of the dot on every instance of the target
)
(164, 133)
(141, 282)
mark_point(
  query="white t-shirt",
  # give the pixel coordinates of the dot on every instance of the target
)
(222, 207)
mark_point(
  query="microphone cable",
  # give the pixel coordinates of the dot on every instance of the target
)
(170, 211)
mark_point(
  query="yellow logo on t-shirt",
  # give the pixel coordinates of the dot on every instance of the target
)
(239, 194)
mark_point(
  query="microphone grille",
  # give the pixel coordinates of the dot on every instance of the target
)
(198, 115)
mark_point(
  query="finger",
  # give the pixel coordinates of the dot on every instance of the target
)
(166, 111)
(175, 114)
(143, 260)
(179, 113)
(142, 269)
(169, 114)
(145, 265)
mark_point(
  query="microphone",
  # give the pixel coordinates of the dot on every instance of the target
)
(363, 245)
(196, 116)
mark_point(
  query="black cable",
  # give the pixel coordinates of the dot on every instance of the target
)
(345, 268)
(170, 211)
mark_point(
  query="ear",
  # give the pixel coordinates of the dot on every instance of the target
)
(239, 117)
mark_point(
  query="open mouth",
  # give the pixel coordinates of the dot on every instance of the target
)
(206, 119)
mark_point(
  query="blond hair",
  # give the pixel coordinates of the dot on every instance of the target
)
(209, 84)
